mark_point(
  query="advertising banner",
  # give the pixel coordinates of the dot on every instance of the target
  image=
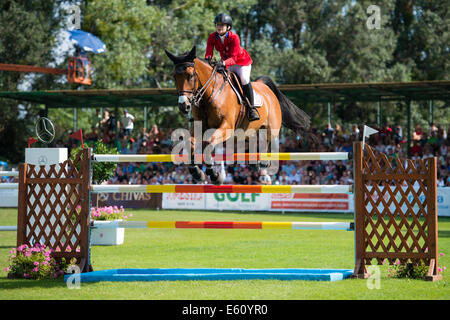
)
(183, 201)
(312, 202)
(238, 201)
(131, 200)
(443, 201)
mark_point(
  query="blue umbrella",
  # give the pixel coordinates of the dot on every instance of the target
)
(87, 41)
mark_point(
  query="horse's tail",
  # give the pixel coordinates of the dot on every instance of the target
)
(292, 117)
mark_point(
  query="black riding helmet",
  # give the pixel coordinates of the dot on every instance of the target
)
(223, 18)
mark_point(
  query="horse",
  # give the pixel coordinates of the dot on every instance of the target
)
(211, 98)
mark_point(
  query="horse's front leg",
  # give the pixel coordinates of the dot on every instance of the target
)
(198, 176)
(218, 136)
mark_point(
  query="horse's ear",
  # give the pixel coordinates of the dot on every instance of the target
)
(192, 54)
(171, 56)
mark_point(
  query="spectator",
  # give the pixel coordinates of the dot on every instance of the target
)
(265, 178)
(127, 123)
(340, 168)
(104, 122)
(418, 133)
(92, 136)
(416, 148)
(295, 177)
(96, 119)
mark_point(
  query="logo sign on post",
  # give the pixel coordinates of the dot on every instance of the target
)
(45, 131)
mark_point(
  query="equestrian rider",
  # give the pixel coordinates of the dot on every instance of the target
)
(233, 57)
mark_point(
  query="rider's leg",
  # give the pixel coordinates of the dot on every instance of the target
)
(244, 75)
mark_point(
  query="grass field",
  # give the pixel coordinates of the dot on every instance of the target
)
(204, 248)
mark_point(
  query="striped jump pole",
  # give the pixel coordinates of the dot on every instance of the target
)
(220, 157)
(8, 228)
(349, 226)
(9, 186)
(206, 188)
(9, 173)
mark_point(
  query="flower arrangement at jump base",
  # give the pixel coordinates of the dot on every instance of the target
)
(104, 216)
(35, 263)
(109, 213)
(411, 271)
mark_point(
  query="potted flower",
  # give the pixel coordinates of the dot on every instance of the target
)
(108, 215)
(27, 262)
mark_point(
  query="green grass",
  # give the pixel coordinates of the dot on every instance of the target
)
(164, 248)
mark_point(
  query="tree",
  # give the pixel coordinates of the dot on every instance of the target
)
(26, 37)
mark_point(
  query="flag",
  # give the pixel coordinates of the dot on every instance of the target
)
(31, 141)
(368, 131)
(78, 135)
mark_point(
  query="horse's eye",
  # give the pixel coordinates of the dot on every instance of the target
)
(190, 76)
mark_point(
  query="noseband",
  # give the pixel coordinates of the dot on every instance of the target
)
(197, 95)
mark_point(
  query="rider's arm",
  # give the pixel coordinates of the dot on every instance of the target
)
(235, 48)
(210, 47)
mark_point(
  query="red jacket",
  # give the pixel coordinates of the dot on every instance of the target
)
(230, 51)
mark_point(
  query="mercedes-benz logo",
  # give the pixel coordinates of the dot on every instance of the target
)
(45, 131)
(42, 160)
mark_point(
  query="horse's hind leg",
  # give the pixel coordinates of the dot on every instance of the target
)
(272, 141)
(223, 133)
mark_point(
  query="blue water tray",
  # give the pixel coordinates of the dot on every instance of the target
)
(214, 274)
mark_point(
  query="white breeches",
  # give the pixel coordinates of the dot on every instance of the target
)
(242, 71)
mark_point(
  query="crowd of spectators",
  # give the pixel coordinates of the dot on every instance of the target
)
(389, 140)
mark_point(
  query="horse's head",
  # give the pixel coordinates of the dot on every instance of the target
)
(185, 78)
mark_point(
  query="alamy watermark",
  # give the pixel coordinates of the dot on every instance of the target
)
(374, 280)
(374, 20)
(73, 281)
(74, 19)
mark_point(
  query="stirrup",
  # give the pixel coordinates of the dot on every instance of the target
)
(255, 117)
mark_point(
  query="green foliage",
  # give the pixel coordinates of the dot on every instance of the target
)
(409, 270)
(35, 263)
(101, 171)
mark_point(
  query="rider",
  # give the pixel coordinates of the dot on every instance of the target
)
(235, 58)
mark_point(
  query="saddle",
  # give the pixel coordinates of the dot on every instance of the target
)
(235, 83)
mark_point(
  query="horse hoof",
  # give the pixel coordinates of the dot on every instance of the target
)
(218, 181)
(264, 164)
(197, 174)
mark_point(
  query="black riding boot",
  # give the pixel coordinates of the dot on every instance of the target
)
(252, 113)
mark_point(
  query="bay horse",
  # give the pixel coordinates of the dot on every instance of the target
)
(211, 98)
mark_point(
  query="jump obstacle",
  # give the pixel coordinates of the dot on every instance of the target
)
(9, 173)
(349, 226)
(220, 157)
(383, 229)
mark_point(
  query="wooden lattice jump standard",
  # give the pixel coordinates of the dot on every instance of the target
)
(395, 211)
(47, 208)
(401, 230)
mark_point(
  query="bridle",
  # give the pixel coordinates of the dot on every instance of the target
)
(197, 95)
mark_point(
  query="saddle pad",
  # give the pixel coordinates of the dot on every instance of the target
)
(257, 99)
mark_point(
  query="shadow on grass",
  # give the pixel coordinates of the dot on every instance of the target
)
(12, 284)
(8, 247)
(443, 233)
